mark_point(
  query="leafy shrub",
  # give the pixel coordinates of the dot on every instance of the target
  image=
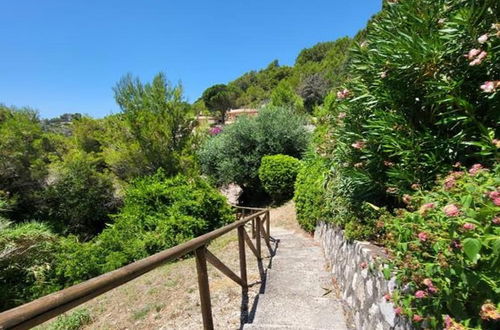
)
(26, 252)
(446, 250)
(310, 192)
(158, 213)
(235, 154)
(79, 197)
(400, 123)
(75, 320)
(277, 174)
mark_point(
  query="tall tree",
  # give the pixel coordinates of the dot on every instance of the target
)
(159, 119)
(219, 99)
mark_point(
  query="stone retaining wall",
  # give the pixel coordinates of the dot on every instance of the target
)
(363, 287)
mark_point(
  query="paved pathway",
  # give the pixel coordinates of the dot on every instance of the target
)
(297, 293)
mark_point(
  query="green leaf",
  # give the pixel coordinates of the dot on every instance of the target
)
(472, 247)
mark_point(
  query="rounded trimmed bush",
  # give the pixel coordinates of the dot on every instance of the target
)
(277, 174)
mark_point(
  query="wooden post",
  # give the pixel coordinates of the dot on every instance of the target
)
(257, 237)
(203, 287)
(268, 226)
(253, 228)
(243, 260)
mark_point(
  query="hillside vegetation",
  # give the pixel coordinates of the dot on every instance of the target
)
(404, 153)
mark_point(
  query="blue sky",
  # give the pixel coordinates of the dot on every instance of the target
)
(62, 56)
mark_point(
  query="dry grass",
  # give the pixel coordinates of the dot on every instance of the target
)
(167, 297)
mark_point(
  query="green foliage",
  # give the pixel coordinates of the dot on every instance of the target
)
(402, 122)
(310, 192)
(219, 99)
(158, 213)
(78, 197)
(75, 320)
(158, 120)
(451, 235)
(277, 175)
(235, 154)
(26, 251)
(284, 96)
(312, 90)
(23, 159)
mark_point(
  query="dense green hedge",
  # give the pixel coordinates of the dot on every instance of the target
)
(310, 192)
(277, 174)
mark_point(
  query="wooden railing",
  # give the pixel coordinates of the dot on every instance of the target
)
(45, 308)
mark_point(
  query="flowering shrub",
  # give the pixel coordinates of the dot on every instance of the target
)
(446, 252)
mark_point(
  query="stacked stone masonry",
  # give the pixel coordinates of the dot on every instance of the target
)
(354, 268)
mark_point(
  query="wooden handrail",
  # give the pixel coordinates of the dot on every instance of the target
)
(40, 310)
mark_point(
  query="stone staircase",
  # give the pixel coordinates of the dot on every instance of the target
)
(298, 291)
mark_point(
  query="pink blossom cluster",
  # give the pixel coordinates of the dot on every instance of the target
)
(495, 197)
(215, 130)
(450, 182)
(430, 286)
(469, 226)
(490, 86)
(426, 207)
(451, 210)
(343, 94)
(423, 236)
(496, 221)
(420, 294)
(359, 145)
(417, 318)
(476, 56)
(476, 168)
(496, 142)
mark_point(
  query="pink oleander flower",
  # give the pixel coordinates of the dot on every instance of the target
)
(391, 190)
(398, 310)
(496, 142)
(472, 53)
(383, 74)
(420, 294)
(489, 312)
(489, 86)
(343, 94)
(215, 130)
(363, 265)
(417, 318)
(427, 282)
(469, 226)
(342, 115)
(449, 183)
(415, 186)
(423, 236)
(426, 207)
(456, 244)
(482, 39)
(451, 210)
(494, 194)
(358, 145)
(475, 169)
(457, 174)
(406, 199)
(457, 164)
(496, 201)
(432, 289)
(387, 297)
(388, 163)
(496, 221)
(448, 322)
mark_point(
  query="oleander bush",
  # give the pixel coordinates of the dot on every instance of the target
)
(446, 251)
(277, 173)
(414, 105)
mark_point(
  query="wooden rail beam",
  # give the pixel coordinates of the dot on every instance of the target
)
(250, 244)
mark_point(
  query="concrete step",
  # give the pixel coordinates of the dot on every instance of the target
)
(295, 311)
(253, 326)
(313, 252)
(288, 264)
(295, 242)
(298, 283)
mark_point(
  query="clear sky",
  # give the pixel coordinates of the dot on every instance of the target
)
(62, 56)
